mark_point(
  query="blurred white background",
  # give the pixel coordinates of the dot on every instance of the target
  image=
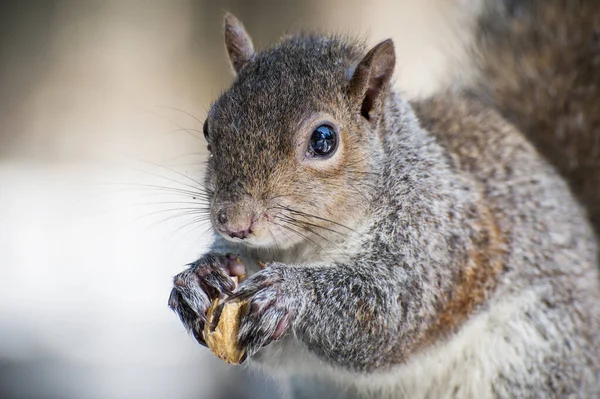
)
(88, 133)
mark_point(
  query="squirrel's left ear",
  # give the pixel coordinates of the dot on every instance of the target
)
(371, 79)
(237, 42)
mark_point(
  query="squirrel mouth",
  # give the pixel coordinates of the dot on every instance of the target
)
(263, 235)
(249, 224)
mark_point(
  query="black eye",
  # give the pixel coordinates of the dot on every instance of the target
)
(323, 141)
(205, 129)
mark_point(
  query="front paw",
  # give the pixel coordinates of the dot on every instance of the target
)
(275, 298)
(195, 288)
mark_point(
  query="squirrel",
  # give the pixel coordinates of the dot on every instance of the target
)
(430, 249)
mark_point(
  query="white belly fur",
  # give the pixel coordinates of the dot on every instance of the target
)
(497, 340)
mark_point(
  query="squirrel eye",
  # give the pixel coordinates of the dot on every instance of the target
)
(323, 141)
(205, 129)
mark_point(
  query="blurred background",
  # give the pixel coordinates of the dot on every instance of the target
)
(101, 104)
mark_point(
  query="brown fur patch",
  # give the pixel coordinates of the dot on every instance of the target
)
(470, 134)
(476, 281)
(479, 277)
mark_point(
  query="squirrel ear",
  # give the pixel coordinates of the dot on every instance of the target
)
(237, 42)
(371, 79)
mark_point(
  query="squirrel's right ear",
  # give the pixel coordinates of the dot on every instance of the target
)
(237, 42)
(371, 79)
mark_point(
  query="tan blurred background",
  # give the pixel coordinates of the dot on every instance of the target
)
(95, 100)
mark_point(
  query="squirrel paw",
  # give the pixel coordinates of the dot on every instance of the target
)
(272, 306)
(203, 282)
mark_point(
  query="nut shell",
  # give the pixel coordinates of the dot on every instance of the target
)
(223, 340)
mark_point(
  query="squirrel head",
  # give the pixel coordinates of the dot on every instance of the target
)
(294, 141)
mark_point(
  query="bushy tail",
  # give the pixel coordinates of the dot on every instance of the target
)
(539, 65)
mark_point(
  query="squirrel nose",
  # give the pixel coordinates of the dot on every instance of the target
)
(240, 234)
(236, 227)
(222, 217)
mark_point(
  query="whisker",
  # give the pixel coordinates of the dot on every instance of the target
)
(287, 236)
(362, 183)
(358, 191)
(170, 203)
(274, 238)
(308, 215)
(196, 222)
(300, 234)
(210, 227)
(316, 225)
(171, 217)
(299, 224)
(363, 172)
(180, 110)
(189, 211)
(172, 190)
(199, 186)
(358, 161)
(185, 129)
(309, 230)
(187, 155)
(157, 190)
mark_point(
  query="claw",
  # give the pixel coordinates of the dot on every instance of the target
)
(201, 284)
(260, 330)
(199, 337)
(241, 295)
(174, 297)
(178, 304)
(216, 317)
(220, 306)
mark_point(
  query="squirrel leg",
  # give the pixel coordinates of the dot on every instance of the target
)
(357, 309)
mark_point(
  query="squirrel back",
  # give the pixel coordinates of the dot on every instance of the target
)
(538, 65)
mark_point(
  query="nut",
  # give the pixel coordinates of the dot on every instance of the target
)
(222, 341)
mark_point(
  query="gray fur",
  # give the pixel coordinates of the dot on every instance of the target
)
(447, 215)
